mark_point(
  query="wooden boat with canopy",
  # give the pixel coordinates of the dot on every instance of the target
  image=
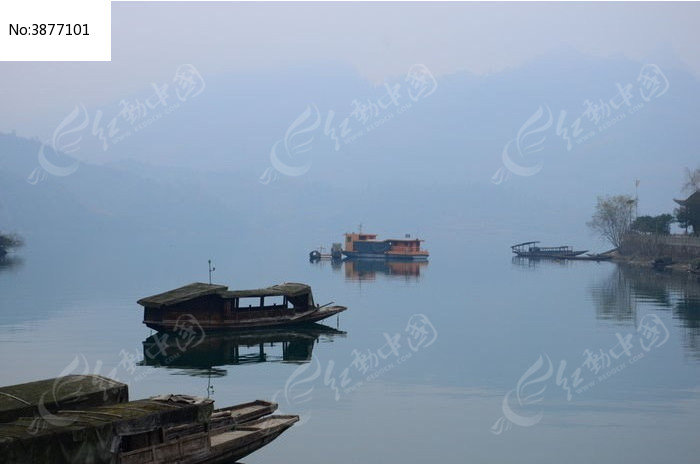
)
(532, 250)
(214, 307)
(67, 392)
(162, 429)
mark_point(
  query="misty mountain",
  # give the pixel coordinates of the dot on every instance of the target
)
(197, 170)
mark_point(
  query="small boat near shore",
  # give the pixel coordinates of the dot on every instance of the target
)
(532, 250)
(336, 253)
(215, 307)
(157, 430)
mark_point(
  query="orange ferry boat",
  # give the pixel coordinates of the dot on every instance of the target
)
(368, 246)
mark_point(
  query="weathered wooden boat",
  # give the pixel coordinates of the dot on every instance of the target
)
(531, 250)
(231, 434)
(163, 429)
(50, 395)
(215, 307)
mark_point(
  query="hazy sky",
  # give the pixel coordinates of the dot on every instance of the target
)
(377, 39)
(381, 39)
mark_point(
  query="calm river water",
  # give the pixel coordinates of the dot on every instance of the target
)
(473, 357)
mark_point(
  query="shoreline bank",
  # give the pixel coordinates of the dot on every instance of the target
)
(689, 266)
(679, 253)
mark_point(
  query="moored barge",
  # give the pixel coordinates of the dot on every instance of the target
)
(158, 430)
(215, 307)
(368, 246)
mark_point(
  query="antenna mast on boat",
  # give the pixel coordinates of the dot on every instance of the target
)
(210, 387)
(211, 269)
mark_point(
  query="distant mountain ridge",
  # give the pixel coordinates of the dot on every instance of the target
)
(198, 169)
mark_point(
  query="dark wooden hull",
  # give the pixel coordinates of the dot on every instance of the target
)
(223, 446)
(535, 254)
(227, 449)
(265, 319)
(592, 258)
(231, 434)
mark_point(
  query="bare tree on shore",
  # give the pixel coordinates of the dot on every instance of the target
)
(613, 217)
(691, 184)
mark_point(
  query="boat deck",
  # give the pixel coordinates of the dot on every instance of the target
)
(246, 412)
(272, 424)
(225, 437)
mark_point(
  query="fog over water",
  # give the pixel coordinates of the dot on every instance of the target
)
(251, 134)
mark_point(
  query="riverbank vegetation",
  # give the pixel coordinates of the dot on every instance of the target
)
(647, 239)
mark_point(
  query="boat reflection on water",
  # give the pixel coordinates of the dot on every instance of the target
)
(534, 263)
(8, 262)
(357, 269)
(200, 354)
(367, 269)
(619, 297)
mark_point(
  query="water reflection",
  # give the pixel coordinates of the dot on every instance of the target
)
(8, 262)
(335, 264)
(368, 269)
(199, 358)
(618, 296)
(534, 263)
(612, 297)
(363, 270)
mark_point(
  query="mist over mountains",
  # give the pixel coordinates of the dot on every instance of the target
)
(198, 171)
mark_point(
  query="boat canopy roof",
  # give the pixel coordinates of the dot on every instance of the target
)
(71, 435)
(70, 391)
(184, 293)
(136, 415)
(523, 244)
(198, 289)
(290, 289)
